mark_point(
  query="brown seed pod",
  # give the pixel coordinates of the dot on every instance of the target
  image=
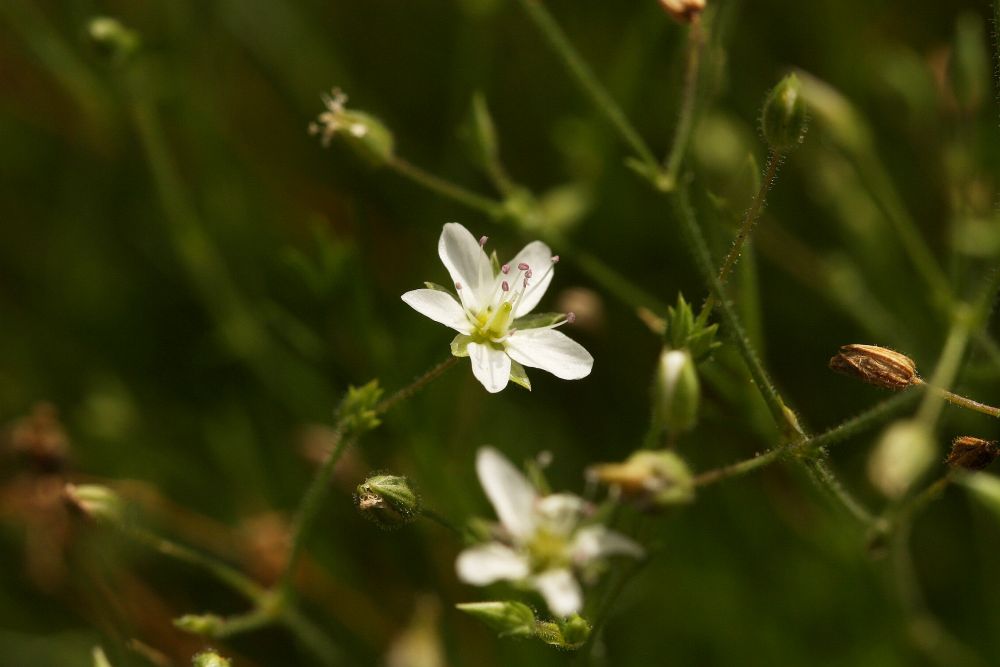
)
(876, 365)
(972, 453)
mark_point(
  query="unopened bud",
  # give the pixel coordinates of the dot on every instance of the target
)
(508, 618)
(683, 10)
(676, 391)
(388, 500)
(96, 502)
(210, 659)
(876, 365)
(111, 39)
(903, 454)
(206, 625)
(972, 453)
(364, 133)
(651, 478)
(571, 633)
(784, 119)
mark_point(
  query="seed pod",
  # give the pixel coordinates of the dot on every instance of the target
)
(784, 120)
(876, 365)
(902, 456)
(652, 479)
(508, 618)
(683, 11)
(972, 453)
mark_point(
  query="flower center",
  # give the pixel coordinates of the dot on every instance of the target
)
(548, 550)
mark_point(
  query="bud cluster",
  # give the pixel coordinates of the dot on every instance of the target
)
(509, 618)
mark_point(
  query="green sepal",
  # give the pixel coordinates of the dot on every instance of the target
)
(537, 320)
(357, 411)
(519, 376)
(460, 345)
(436, 287)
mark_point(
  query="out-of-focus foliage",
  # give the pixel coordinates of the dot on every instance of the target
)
(194, 283)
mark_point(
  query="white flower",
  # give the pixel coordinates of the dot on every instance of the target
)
(489, 312)
(543, 543)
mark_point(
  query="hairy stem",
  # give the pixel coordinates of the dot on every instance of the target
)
(689, 97)
(445, 188)
(586, 80)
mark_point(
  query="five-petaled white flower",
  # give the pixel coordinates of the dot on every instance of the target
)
(490, 311)
(542, 541)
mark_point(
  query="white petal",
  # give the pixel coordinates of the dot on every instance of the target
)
(440, 307)
(511, 493)
(490, 366)
(467, 264)
(560, 590)
(483, 564)
(538, 257)
(595, 542)
(560, 512)
(551, 351)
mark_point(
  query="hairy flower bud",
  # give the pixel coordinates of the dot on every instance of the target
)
(508, 618)
(876, 365)
(388, 500)
(651, 478)
(364, 133)
(570, 633)
(95, 502)
(683, 10)
(676, 391)
(784, 119)
(903, 454)
(972, 453)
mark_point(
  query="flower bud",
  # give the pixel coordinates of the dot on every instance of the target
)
(972, 453)
(508, 618)
(96, 502)
(364, 133)
(651, 478)
(111, 39)
(570, 634)
(388, 500)
(784, 119)
(876, 365)
(683, 10)
(210, 658)
(206, 625)
(676, 391)
(358, 411)
(903, 454)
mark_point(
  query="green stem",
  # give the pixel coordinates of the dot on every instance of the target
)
(316, 492)
(964, 402)
(586, 80)
(751, 217)
(740, 468)
(222, 571)
(312, 637)
(944, 372)
(689, 96)
(445, 188)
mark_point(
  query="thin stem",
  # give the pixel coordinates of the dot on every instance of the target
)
(316, 492)
(703, 262)
(415, 386)
(962, 401)
(222, 571)
(944, 372)
(586, 80)
(751, 217)
(740, 468)
(689, 96)
(440, 520)
(828, 481)
(312, 637)
(445, 188)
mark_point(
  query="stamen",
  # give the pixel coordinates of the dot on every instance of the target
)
(504, 286)
(483, 240)
(555, 259)
(458, 285)
(505, 269)
(527, 274)
(523, 267)
(570, 317)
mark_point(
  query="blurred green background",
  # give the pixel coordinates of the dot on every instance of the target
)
(193, 282)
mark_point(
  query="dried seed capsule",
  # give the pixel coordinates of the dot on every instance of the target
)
(388, 500)
(683, 10)
(876, 365)
(972, 453)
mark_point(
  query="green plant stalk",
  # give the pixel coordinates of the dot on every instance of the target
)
(586, 80)
(445, 188)
(318, 488)
(312, 637)
(689, 98)
(812, 446)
